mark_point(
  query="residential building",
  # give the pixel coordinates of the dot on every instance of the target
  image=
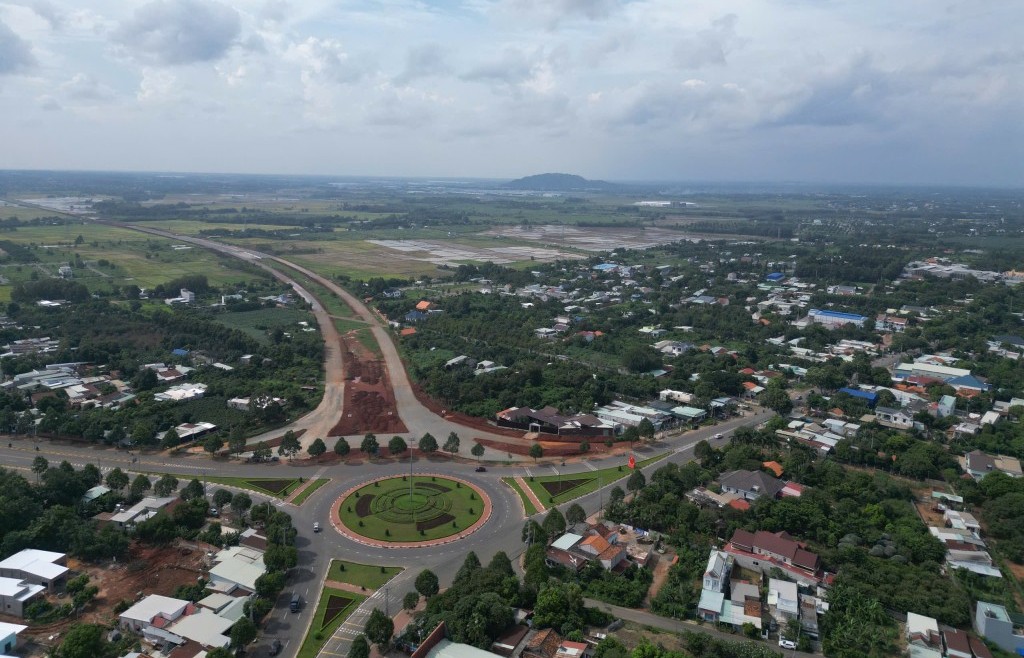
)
(995, 624)
(893, 323)
(9, 637)
(550, 421)
(237, 566)
(750, 485)
(181, 393)
(141, 511)
(923, 638)
(15, 594)
(544, 644)
(762, 550)
(36, 567)
(716, 575)
(896, 418)
(833, 319)
(145, 612)
(783, 600)
(978, 464)
(958, 644)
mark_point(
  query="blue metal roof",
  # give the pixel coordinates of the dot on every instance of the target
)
(839, 315)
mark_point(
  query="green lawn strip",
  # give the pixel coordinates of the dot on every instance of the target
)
(595, 480)
(321, 630)
(369, 341)
(528, 505)
(310, 490)
(253, 484)
(361, 575)
(388, 512)
(333, 304)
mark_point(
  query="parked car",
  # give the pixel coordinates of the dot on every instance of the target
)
(787, 644)
(275, 647)
(214, 511)
(316, 527)
(481, 469)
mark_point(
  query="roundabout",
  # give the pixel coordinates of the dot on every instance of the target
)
(411, 511)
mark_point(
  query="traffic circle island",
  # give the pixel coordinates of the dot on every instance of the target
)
(411, 511)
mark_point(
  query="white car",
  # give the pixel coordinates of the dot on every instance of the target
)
(787, 644)
(316, 527)
(718, 436)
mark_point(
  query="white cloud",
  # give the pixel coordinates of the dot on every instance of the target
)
(173, 32)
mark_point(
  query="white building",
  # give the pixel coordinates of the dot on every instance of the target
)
(9, 637)
(142, 614)
(37, 567)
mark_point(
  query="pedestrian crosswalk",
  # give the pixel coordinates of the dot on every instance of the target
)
(590, 466)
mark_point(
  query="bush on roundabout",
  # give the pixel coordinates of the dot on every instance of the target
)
(398, 509)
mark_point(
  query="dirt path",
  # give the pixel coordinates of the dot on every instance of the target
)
(369, 398)
(662, 564)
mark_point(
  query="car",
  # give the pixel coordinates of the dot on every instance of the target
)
(214, 511)
(275, 647)
(316, 527)
(296, 603)
(787, 644)
(481, 469)
(719, 436)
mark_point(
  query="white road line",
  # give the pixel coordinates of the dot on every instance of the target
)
(590, 466)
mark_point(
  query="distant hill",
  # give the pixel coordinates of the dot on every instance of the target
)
(560, 183)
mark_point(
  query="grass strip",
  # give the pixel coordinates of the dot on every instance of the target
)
(528, 507)
(361, 575)
(319, 631)
(310, 490)
(253, 484)
(598, 479)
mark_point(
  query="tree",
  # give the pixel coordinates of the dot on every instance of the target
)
(477, 450)
(616, 495)
(341, 447)
(270, 584)
(554, 523)
(261, 453)
(242, 633)
(397, 446)
(91, 475)
(584, 447)
(317, 448)
(428, 444)
(140, 485)
(427, 584)
(575, 514)
(360, 648)
(165, 486)
(241, 502)
(222, 497)
(236, 439)
(213, 443)
(533, 533)
(559, 606)
(171, 439)
(40, 466)
(641, 359)
(193, 490)
(536, 451)
(83, 641)
(410, 600)
(452, 444)
(289, 445)
(379, 628)
(220, 652)
(776, 399)
(646, 429)
(117, 479)
(369, 445)
(636, 481)
(143, 432)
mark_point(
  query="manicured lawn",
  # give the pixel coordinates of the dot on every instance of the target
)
(528, 505)
(361, 575)
(310, 490)
(332, 610)
(579, 484)
(388, 511)
(279, 487)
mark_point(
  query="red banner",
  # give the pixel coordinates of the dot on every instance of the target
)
(632, 461)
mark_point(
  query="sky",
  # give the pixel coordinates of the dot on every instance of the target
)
(858, 91)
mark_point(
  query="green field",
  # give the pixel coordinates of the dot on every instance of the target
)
(258, 324)
(528, 507)
(361, 575)
(331, 612)
(310, 490)
(277, 487)
(580, 484)
(387, 510)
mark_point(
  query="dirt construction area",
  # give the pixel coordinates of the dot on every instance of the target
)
(147, 570)
(369, 401)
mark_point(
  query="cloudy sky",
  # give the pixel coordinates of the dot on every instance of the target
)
(904, 91)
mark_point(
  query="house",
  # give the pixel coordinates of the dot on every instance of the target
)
(995, 624)
(569, 649)
(750, 485)
(423, 306)
(544, 644)
(716, 575)
(9, 637)
(141, 511)
(923, 638)
(978, 464)
(15, 594)
(893, 323)
(783, 600)
(895, 418)
(181, 393)
(762, 550)
(415, 316)
(36, 567)
(833, 319)
(237, 566)
(154, 606)
(958, 644)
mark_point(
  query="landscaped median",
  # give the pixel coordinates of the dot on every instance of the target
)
(552, 490)
(333, 608)
(276, 487)
(361, 575)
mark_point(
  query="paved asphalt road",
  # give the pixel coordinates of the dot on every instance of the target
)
(500, 533)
